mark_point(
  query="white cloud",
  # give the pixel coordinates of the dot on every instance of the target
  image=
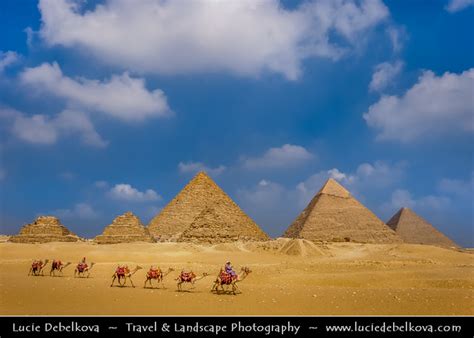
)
(126, 192)
(242, 37)
(457, 187)
(7, 58)
(403, 198)
(78, 122)
(435, 105)
(195, 167)
(458, 5)
(42, 129)
(397, 36)
(80, 211)
(285, 156)
(384, 74)
(121, 96)
(36, 129)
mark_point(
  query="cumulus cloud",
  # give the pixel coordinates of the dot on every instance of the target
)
(121, 96)
(435, 105)
(46, 130)
(80, 211)
(241, 37)
(7, 58)
(384, 74)
(287, 155)
(195, 167)
(126, 192)
(458, 5)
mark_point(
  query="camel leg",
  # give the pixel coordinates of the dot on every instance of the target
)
(131, 281)
(113, 280)
(29, 272)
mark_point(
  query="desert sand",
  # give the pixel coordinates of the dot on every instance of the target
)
(289, 277)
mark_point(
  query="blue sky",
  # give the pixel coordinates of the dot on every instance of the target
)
(108, 106)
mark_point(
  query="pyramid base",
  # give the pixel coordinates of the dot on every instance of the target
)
(116, 239)
(42, 239)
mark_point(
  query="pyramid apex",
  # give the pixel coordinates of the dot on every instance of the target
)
(333, 187)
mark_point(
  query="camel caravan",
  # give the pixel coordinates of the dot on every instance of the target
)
(202, 213)
(226, 281)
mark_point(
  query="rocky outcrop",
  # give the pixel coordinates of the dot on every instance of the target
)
(125, 228)
(44, 229)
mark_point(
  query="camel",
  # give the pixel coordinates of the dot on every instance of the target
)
(156, 273)
(122, 273)
(81, 270)
(57, 265)
(37, 267)
(224, 278)
(188, 277)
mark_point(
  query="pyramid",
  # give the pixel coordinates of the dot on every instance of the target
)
(203, 212)
(414, 229)
(125, 228)
(44, 229)
(334, 215)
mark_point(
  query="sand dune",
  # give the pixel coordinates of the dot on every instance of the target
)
(292, 277)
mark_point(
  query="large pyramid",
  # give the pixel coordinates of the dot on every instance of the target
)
(125, 228)
(414, 229)
(203, 212)
(44, 229)
(334, 215)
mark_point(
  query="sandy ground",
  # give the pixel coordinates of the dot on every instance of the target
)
(302, 279)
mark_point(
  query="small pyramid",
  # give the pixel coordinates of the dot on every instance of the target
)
(414, 229)
(334, 215)
(44, 229)
(203, 212)
(125, 228)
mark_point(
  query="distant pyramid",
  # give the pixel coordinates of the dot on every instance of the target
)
(414, 229)
(125, 228)
(203, 212)
(334, 215)
(44, 229)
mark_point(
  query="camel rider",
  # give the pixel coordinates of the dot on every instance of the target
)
(82, 264)
(230, 270)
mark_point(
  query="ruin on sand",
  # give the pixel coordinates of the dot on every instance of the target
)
(416, 230)
(125, 228)
(44, 229)
(334, 215)
(202, 212)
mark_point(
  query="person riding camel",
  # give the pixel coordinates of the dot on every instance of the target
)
(230, 270)
(82, 264)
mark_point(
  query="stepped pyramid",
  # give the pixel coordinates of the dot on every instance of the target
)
(414, 229)
(44, 229)
(203, 212)
(334, 215)
(125, 228)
